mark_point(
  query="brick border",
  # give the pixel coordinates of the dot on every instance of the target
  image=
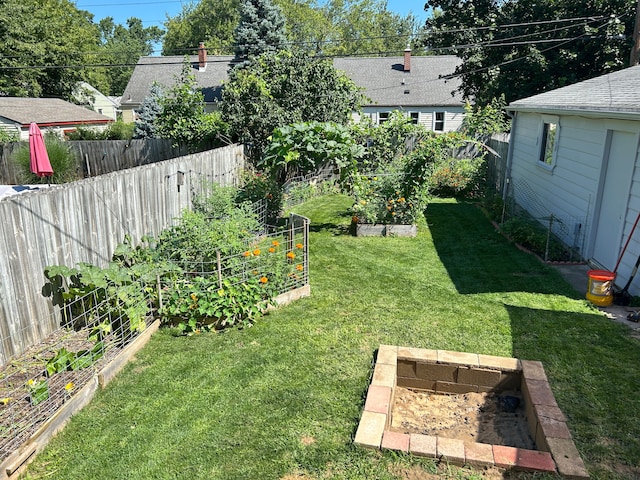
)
(443, 371)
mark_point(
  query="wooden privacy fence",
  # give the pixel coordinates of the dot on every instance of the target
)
(98, 157)
(84, 221)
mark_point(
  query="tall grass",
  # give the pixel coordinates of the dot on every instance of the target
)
(63, 162)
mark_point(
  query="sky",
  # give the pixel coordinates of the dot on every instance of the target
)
(154, 12)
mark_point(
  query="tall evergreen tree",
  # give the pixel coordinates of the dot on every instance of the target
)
(261, 29)
(149, 111)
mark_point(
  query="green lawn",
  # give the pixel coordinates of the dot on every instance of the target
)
(282, 400)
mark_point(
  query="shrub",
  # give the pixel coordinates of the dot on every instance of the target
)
(118, 130)
(458, 177)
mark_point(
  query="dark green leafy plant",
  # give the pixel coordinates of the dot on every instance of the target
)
(200, 304)
(302, 148)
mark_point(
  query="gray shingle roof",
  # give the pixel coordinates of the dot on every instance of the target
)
(166, 72)
(615, 93)
(47, 111)
(381, 77)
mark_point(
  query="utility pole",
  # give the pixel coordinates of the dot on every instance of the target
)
(634, 59)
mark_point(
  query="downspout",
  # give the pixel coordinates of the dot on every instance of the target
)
(507, 171)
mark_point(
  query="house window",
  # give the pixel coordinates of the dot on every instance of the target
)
(438, 122)
(383, 117)
(548, 135)
(415, 116)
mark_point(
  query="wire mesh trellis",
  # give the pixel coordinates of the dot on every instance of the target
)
(34, 386)
(98, 325)
(564, 234)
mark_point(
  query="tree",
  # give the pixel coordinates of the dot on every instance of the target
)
(209, 21)
(183, 118)
(367, 27)
(44, 46)
(523, 47)
(333, 27)
(124, 45)
(279, 88)
(261, 29)
(148, 114)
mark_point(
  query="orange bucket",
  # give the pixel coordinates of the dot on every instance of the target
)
(600, 288)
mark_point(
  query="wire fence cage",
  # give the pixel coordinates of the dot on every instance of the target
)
(97, 326)
(35, 385)
(555, 235)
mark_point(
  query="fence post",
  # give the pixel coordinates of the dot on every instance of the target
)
(219, 268)
(546, 248)
(159, 288)
(306, 249)
(291, 234)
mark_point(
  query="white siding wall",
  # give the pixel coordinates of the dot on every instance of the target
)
(426, 115)
(569, 191)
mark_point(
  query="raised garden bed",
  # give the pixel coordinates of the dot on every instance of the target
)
(385, 230)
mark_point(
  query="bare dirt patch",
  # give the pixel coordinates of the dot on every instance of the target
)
(471, 417)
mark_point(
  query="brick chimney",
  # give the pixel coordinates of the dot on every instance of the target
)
(407, 59)
(202, 57)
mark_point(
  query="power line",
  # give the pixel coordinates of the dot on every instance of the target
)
(504, 42)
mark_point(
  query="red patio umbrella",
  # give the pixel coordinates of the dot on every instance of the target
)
(40, 164)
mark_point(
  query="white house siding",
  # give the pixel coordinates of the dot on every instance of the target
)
(569, 191)
(452, 119)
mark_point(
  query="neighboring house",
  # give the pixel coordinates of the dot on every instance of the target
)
(90, 97)
(415, 85)
(51, 115)
(412, 84)
(574, 155)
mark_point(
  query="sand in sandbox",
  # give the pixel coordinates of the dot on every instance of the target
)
(471, 417)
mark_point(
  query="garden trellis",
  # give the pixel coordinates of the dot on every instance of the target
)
(100, 324)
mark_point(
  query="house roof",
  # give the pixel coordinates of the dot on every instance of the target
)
(166, 72)
(381, 77)
(614, 94)
(387, 84)
(47, 112)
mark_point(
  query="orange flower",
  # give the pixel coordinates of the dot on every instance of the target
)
(291, 255)
(256, 252)
(272, 250)
(264, 280)
(275, 243)
(299, 267)
(247, 254)
(193, 297)
(299, 245)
